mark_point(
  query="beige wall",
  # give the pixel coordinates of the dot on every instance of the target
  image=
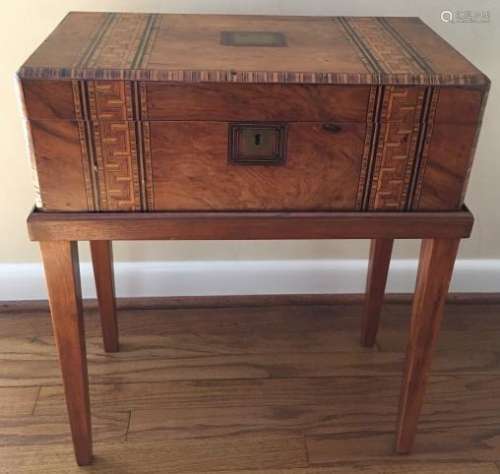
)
(25, 23)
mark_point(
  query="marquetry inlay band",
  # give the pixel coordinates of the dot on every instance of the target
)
(396, 147)
(115, 159)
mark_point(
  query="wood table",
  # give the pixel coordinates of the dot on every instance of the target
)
(59, 233)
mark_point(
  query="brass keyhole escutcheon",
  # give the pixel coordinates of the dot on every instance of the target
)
(257, 143)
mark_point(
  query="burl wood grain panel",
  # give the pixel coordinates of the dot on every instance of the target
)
(190, 169)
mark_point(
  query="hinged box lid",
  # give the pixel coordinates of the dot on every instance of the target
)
(254, 49)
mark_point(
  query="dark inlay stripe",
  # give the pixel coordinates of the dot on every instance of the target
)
(139, 135)
(136, 109)
(370, 113)
(364, 50)
(373, 146)
(84, 142)
(89, 137)
(144, 43)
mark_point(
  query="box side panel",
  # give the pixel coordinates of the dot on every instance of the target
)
(444, 173)
(460, 105)
(60, 166)
(448, 151)
(48, 100)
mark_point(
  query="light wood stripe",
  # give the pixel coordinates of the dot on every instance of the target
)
(424, 153)
(108, 20)
(407, 46)
(363, 50)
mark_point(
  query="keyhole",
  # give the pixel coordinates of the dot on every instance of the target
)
(257, 139)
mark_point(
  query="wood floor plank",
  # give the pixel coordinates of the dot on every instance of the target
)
(18, 400)
(243, 323)
(27, 362)
(32, 430)
(396, 467)
(144, 359)
(175, 423)
(106, 371)
(479, 443)
(226, 393)
(219, 320)
(342, 416)
(155, 458)
(267, 392)
(485, 340)
(466, 327)
(25, 323)
(172, 320)
(33, 361)
(193, 456)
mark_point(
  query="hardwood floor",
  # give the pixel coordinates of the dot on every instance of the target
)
(269, 388)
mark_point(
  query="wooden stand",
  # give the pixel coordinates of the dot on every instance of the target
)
(58, 234)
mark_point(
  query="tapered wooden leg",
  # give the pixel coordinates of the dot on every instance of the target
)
(60, 259)
(102, 260)
(437, 257)
(378, 268)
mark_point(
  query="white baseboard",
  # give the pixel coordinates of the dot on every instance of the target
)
(25, 281)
